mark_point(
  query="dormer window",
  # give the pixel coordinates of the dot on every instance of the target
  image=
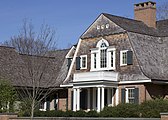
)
(103, 56)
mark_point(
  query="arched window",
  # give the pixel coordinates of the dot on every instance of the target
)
(102, 57)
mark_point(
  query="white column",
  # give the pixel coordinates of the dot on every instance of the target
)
(98, 99)
(102, 98)
(88, 99)
(94, 99)
(117, 96)
(78, 99)
(112, 93)
(74, 99)
(109, 97)
(45, 106)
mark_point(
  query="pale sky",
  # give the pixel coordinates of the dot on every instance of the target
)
(69, 18)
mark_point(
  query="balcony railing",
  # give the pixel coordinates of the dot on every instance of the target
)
(95, 76)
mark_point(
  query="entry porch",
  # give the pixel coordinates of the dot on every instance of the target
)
(95, 90)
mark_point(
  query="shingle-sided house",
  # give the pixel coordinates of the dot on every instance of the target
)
(120, 60)
(116, 60)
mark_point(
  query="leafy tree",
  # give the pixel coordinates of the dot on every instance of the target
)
(7, 96)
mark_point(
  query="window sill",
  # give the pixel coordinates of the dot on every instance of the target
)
(102, 69)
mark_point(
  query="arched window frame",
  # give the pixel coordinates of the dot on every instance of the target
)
(106, 63)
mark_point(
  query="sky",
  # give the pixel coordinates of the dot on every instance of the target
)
(69, 18)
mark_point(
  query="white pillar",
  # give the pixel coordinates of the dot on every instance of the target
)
(102, 98)
(109, 99)
(112, 93)
(98, 99)
(117, 96)
(88, 99)
(94, 99)
(45, 106)
(74, 99)
(78, 99)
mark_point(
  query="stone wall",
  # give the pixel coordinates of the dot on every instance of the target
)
(84, 118)
(7, 116)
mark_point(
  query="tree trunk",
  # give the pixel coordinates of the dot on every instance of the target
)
(32, 109)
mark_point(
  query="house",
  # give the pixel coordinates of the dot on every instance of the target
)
(119, 60)
(116, 60)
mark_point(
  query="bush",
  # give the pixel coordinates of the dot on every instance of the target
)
(92, 113)
(153, 108)
(122, 110)
(80, 113)
(148, 109)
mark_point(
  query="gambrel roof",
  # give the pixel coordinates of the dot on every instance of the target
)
(149, 44)
(125, 24)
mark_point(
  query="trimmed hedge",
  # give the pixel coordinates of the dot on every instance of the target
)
(153, 108)
(122, 110)
(148, 109)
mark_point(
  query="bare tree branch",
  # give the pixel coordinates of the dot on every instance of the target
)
(37, 62)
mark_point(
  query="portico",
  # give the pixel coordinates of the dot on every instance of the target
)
(94, 90)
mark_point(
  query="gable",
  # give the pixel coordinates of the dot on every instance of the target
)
(101, 27)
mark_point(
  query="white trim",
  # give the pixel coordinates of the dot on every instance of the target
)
(102, 41)
(81, 63)
(121, 57)
(135, 81)
(67, 85)
(73, 60)
(99, 17)
(67, 56)
(117, 96)
(97, 52)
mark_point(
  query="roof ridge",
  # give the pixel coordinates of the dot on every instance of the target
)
(121, 17)
(6, 46)
(162, 20)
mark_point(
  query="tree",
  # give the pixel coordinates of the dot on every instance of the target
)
(7, 96)
(162, 11)
(36, 63)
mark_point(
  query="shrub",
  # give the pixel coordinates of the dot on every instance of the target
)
(153, 108)
(122, 110)
(92, 113)
(80, 113)
(107, 112)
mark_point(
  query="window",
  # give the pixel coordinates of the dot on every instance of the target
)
(83, 61)
(126, 57)
(123, 57)
(130, 95)
(103, 56)
(131, 98)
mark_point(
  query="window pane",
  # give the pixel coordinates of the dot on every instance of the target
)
(83, 62)
(124, 58)
(103, 58)
(131, 97)
(103, 45)
(94, 60)
(111, 58)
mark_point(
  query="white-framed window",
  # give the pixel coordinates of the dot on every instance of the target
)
(95, 61)
(83, 61)
(123, 57)
(130, 95)
(103, 56)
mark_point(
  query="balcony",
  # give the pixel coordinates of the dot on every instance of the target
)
(96, 76)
